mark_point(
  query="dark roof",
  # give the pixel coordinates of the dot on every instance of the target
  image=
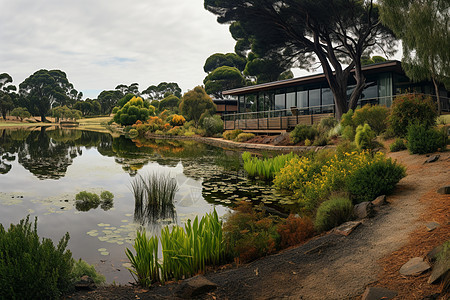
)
(387, 66)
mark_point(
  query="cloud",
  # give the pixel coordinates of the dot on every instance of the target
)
(100, 44)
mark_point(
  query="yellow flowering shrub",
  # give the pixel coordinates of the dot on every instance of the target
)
(177, 120)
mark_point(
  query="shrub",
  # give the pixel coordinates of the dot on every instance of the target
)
(82, 268)
(177, 130)
(321, 140)
(135, 109)
(177, 120)
(409, 109)
(328, 123)
(376, 116)
(249, 234)
(31, 269)
(133, 133)
(212, 125)
(348, 133)
(364, 137)
(422, 140)
(294, 230)
(302, 132)
(245, 136)
(398, 145)
(232, 134)
(347, 119)
(375, 179)
(332, 213)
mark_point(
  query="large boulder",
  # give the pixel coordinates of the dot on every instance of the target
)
(363, 210)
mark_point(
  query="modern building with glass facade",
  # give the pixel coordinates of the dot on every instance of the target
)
(284, 104)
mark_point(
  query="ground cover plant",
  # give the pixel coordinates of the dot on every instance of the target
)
(186, 251)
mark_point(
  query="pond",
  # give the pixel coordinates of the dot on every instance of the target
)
(41, 171)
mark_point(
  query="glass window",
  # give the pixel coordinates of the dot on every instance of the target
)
(385, 90)
(241, 104)
(250, 103)
(280, 100)
(370, 92)
(327, 100)
(290, 102)
(261, 102)
(302, 100)
(314, 100)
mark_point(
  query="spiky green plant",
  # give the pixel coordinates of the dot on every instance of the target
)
(265, 169)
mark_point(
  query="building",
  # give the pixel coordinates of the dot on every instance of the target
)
(281, 105)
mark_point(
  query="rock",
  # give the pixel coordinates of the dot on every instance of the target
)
(415, 266)
(440, 269)
(363, 210)
(85, 283)
(378, 293)
(432, 226)
(445, 190)
(281, 138)
(432, 255)
(194, 287)
(347, 228)
(380, 200)
(432, 158)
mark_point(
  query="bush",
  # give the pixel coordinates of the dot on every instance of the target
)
(31, 269)
(376, 116)
(177, 120)
(348, 133)
(294, 230)
(398, 145)
(321, 140)
(135, 109)
(82, 268)
(133, 133)
(375, 179)
(347, 119)
(332, 213)
(212, 125)
(302, 132)
(249, 234)
(411, 109)
(422, 140)
(231, 134)
(328, 123)
(364, 137)
(245, 136)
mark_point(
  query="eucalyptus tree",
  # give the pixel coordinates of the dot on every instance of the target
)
(424, 28)
(223, 78)
(45, 89)
(311, 33)
(162, 90)
(196, 102)
(109, 99)
(6, 94)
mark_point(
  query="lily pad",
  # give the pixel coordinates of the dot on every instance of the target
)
(104, 253)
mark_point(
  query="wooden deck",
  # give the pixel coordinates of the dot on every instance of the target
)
(275, 123)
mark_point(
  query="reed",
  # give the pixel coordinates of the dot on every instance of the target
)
(265, 169)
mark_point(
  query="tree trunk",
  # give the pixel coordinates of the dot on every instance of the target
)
(436, 88)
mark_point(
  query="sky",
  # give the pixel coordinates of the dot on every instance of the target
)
(100, 44)
(103, 43)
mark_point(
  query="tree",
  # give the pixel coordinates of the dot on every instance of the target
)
(223, 78)
(171, 102)
(88, 107)
(423, 27)
(196, 102)
(302, 32)
(21, 113)
(45, 89)
(219, 60)
(6, 91)
(134, 110)
(63, 112)
(108, 99)
(266, 70)
(367, 60)
(162, 90)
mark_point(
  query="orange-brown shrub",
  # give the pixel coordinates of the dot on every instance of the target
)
(295, 230)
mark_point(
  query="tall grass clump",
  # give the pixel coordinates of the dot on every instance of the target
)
(333, 212)
(265, 169)
(153, 196)
(185, 252)
(31, 268)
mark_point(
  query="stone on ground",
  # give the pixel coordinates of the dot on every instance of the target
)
(445, 190)
(380, 200)
(347, 228)
(432, 226)
(415, 266)
(432, 158)
(377, 293)
(363, 210)
(195, 286)
(85, 283)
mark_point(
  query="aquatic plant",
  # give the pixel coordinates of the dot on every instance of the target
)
(185, 251)
(153, 196)
(265, 169)
(85, 201)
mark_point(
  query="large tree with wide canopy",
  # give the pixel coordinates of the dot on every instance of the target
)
(333, 34)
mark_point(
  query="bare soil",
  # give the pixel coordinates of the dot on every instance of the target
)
(336, 267)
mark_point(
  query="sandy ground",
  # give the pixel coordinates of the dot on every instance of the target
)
(334, 266)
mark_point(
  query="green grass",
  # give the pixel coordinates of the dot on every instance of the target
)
(265, 169)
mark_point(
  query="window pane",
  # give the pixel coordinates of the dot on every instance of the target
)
(280, 101)
(327, 101)
(314, 100)
(302, 101)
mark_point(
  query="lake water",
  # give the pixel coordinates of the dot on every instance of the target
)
(41, 171)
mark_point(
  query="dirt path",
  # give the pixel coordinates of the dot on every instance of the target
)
(331, 266)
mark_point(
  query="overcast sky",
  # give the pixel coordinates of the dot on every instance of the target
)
(103, 43)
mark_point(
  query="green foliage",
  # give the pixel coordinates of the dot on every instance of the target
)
(30, 268)
(82, 268)
(245, 136)
(21, 113)
(332, 213)
(162, 90)
(221, 79)
(328, 123)
(171, 102)
(232, 134)
(302, 132)
(218, 60)
(133, 133)
(63, 112)
(375, 179)
(347, 119)
(443, 257)
(185, 251)
(348, 133)
(398, 145)
(249, 234)
(196, 102)
(212, 125)
(267, 168)
(86, 201)
(134, 110)
(409, 109)
(364, 137)
(88, 197)
(376, 116)
(422, 139)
